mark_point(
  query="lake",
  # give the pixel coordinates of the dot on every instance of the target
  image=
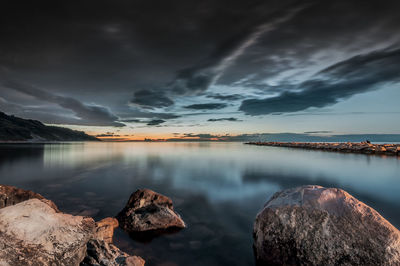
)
(216, 187)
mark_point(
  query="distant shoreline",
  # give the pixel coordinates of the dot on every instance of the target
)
(346, 147)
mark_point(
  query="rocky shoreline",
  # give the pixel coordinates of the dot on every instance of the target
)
(33, 231)
(346, 147)
(307, 225)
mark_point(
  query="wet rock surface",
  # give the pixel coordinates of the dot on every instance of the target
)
(348, 147)
(313, 225)
(33, 233)
(149, 212)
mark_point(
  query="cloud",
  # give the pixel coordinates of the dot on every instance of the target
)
(151, 99)
(223, 119)
(155, 122)
(198, 78)
(229, 97)
(108, 134)
(91, 115)
(206, 106)
(318, 132)
(131, 120)
(134, 115)
(340, 81)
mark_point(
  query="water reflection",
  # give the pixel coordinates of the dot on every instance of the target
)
(217, 187)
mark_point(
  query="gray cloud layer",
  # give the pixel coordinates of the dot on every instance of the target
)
(340, 81)
(150, 99)
(89, 114)
(232, 119)
(206, 106)
(155, 122)
(104, 62)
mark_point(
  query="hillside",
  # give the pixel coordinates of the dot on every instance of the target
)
(17, 129)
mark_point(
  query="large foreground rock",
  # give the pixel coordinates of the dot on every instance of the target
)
(34, 233)
(148, 211)
(313, 225)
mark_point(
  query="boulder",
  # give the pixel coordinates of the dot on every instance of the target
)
(148, 211)
(313, 225)
(101, 253)
(10, 195)
(34, 233)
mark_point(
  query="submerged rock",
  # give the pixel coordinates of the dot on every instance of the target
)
(313, 225)
(101, 253)
(148, 211)
(34, 233)
(10, 195)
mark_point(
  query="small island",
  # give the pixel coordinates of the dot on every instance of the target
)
(364, 147)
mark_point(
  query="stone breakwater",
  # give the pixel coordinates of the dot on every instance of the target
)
(349, 147)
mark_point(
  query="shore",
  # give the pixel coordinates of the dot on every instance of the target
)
(348, 147)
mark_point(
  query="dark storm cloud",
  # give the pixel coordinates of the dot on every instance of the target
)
(232, 119)
(155, 122)
(134, 114)
(229, 97)
(206, 106)
(150, 99)
(198, 78)
(132, 120)
(89, 114)
(126, 57)
(353, 76)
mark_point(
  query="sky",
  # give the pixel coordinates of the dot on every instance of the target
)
(135, 69)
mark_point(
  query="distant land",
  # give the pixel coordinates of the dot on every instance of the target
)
(280, 137)
(18, 129)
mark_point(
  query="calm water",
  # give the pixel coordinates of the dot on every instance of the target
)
(218, 188)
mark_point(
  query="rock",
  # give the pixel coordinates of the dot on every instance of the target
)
(313, 225)
(101, 253)
(34, 233)
(148, 211)
(10, 195)
(105, 229)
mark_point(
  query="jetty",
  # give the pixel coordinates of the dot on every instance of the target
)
(347, 147)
